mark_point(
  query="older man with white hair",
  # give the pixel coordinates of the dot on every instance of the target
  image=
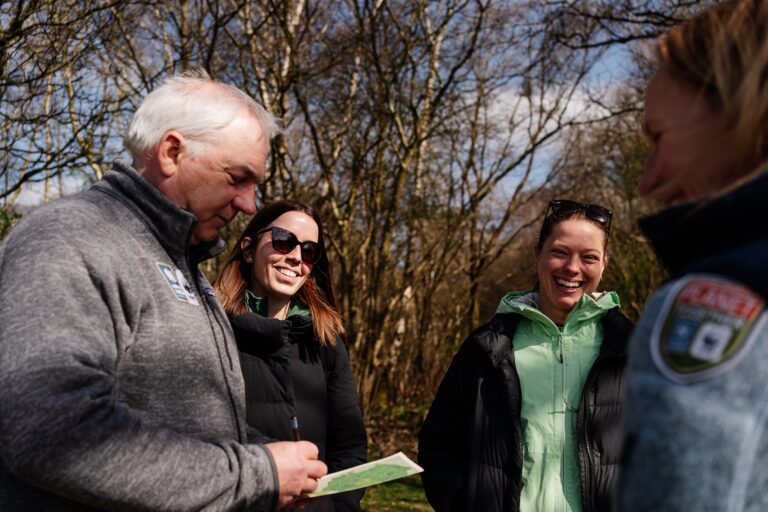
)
(120, 387)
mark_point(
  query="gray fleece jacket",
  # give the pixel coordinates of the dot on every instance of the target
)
(120, 385)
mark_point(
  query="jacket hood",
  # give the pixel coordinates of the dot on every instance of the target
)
(269, 337)
(525, 303)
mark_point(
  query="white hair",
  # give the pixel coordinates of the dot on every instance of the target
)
(196, 106)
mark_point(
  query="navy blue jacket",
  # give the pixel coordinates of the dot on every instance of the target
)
(727, 236)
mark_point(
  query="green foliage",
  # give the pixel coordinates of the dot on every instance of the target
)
(404, 494)
(7, 221)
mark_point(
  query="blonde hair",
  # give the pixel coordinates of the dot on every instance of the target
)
(723, 53)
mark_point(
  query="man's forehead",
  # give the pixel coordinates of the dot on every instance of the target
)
(249, 124)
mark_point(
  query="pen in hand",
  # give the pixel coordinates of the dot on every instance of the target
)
(295, 428)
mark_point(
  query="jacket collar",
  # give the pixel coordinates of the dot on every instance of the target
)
(496, 339)
(588, 307)
(170, 224)
(497, 344)
(725, 235)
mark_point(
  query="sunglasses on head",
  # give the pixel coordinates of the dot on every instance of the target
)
(563, 208)
(284, 241)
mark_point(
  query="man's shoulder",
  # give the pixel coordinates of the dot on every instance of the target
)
(81, 213)
(76, 228)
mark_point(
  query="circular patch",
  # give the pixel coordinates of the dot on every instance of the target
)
(705, 327)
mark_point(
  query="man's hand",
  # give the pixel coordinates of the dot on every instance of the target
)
(297, 469)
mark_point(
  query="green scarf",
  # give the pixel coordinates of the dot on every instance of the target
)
(258, 305)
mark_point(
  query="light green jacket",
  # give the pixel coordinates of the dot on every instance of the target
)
(553, 364)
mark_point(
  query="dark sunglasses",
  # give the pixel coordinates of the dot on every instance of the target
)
(284, 241)
(563, 208)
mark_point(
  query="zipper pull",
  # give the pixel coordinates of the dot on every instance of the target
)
(560, 342)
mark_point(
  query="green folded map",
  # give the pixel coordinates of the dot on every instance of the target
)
(371, 473)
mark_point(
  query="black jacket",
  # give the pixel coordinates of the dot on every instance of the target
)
(287, 372)
(470, 445)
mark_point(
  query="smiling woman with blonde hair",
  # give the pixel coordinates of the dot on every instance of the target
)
(696, 388)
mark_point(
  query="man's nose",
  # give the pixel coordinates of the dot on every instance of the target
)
(245, 201)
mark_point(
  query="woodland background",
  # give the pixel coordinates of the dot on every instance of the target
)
(429, 134)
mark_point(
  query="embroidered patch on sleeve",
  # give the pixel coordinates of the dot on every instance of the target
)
(705, 327)
(180, 287)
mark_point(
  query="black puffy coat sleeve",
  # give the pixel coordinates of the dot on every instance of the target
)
(444, 438)
(347, 443)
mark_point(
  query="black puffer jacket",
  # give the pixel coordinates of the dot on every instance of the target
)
(287, 372)
(471, 442)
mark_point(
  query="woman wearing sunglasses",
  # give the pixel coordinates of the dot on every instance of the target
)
(697, 385)
(527, 416)
(277, 289)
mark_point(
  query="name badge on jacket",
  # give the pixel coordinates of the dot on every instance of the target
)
(179, 285)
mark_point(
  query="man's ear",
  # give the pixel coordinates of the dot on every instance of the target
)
(170, 150)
